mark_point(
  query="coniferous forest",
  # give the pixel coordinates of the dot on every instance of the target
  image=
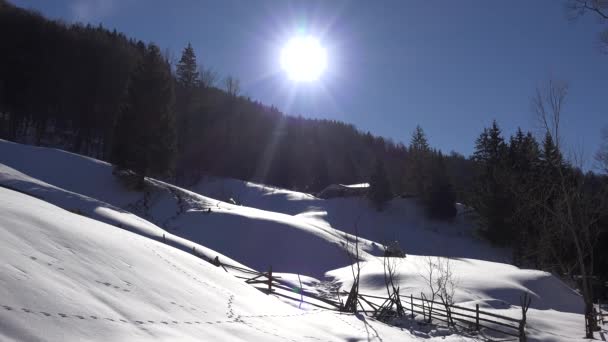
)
(97, 92)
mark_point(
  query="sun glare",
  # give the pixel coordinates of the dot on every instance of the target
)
(304, 59)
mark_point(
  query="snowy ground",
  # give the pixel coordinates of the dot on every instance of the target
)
(114, 274)
(68, 278)
(403, 220)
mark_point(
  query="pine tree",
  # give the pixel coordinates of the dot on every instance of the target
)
(550, 155)
(491, 197)
(523, 182)
(145, 133)
(379, 187)
(439, 197)
(186, 69)
(419, 142)
(187, 82)
(417, 175)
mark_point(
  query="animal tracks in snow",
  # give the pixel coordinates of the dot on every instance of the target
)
(47, 263)
(93, 317)
(116, 287)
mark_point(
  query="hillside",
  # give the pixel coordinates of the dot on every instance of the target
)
(266, 238)
(66, 277)
(291, 222)
(294, 232)
(404, 219)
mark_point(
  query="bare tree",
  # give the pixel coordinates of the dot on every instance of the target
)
(574, 210)
(601, 157)
(441, 282)
(233, 86)
(390, 263)
(353, 296)
(447, 286)
(170, 58)
(208, 76)
(547, 103)
(599, 8)
(430, 276)
(352, 251)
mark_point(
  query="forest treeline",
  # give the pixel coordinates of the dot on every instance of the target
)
(97, 92)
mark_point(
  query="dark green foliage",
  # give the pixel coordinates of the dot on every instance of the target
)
(379, 187)
(492, 199)
(550, 155)
(145, 134)
(319, 173)
(438, 196)
(418, 164)
(66, 82)
(69, 83)
(419, 142)
(186, 69)
(187, 88)
(426, 177)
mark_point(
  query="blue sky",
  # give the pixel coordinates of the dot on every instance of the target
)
(450, 66)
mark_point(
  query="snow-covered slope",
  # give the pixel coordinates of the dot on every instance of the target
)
(265, 238)
(65, 277)
(294, 232)
(403, 220)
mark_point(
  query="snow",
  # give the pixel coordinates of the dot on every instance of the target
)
(55, 261)
(555, 313)
(67, 277)
(354, 186)
(265, 238)
(403, 220)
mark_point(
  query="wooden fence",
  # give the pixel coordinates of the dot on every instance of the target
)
(453, 315)
(601, 316)
(432, 311)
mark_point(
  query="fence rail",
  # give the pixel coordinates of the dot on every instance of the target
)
(471, 319)
(601, 316)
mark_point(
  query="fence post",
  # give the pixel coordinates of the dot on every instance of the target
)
(164, 239)
(423, 311)
(270, 279)
(412, 304)
(525, 301)
(599, 307)
(477, 317)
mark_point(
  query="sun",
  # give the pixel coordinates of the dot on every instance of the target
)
(304, 59)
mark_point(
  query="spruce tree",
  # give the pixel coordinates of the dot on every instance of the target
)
(186, 69)
(379, 188)
(439, 197)
(550, 155)
(491, 197)
(187, 81)
(417, 168)
(419, 142)
(145, 133)
(523, 182)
